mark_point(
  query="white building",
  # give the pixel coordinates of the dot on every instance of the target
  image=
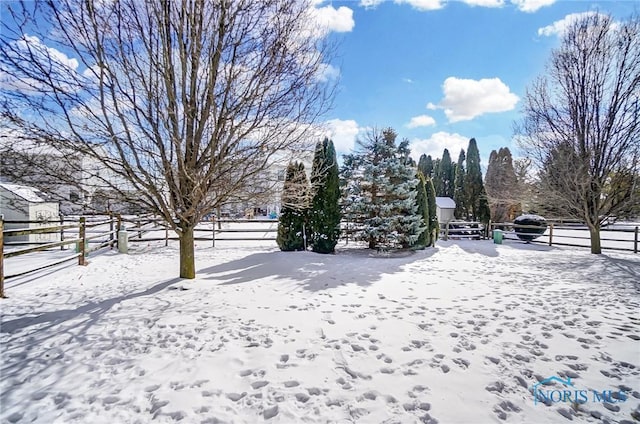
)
(445, 207)
(24, 203)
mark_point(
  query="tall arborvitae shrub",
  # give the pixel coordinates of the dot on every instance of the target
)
(294, 209)
(425, 165)
(444, 177)
(459, 195)
(476, 194)
(324, 216)
(424, 239)
(434, 226)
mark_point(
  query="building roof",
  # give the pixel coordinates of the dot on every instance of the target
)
(445, 203)
(30, 194)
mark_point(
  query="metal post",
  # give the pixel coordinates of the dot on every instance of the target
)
(304, 236)
(166, 235)
(82, 236)
(139, 230)
(111, 237)
(61, 230)
(635, 241)
(550, 234)
(213, 233)
(2, 257)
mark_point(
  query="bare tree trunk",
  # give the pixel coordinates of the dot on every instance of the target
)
(594, 232)
(187, 256)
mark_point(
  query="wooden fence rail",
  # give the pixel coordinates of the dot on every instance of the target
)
(138, 228)
(463, 230)
(82, 237)
(555, 231)
(86, 231)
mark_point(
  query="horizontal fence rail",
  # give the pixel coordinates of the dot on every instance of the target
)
(88, 234)
(562, 234)
(463, 230)
(158, 230)
(80, 232)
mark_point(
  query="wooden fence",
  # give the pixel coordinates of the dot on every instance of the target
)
(102, 232)
(153, 229)
(82, 232)
(557, 234)
(463, 230)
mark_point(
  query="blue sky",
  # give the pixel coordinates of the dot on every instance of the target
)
(442, 72)
(438, 71)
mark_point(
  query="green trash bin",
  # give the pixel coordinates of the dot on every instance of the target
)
(497, 236)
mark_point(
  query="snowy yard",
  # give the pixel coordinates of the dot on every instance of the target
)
(456, 334)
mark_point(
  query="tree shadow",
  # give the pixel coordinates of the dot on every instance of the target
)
(625, 266)
(92, 309)
(22, 338)
(314, 271)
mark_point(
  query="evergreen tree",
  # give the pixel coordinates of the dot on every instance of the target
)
(379, 195)
(476, 199)
(424, 239)
(325, 214)
(434, 226)
(425, 165)
(458, 190)
(438, 184)
(445, 176)
(292, 225)
(501, 185)
(406, 221)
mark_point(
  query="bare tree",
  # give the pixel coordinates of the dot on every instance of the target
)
(581, 124)
(184, 103)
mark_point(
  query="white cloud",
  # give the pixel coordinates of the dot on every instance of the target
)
(423, 4)
(465, 99)
(331, 19)
(559, 27)
(36, 46)
(530, 6)
(29, 49)
(485, 3)
(327, 72)
(370, 4)
(431, 106)
(407, 80)
(421, 121)
(343, 133)
(436, 144)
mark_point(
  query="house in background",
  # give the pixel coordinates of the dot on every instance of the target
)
(445, 207)
(24, 203)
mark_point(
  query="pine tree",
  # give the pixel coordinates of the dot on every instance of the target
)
(500, 184)
(407, 222)
(458, 189)
(434, 226)
(445, 176)
(476, 198)
(325, 209)
(425, 165)
(292, 225)
(379, 181)
(424, 239)
(438, 184)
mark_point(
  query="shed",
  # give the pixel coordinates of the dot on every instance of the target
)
(24, 203)
(445, 207)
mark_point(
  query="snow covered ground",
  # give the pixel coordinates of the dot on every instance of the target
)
(456, 334)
